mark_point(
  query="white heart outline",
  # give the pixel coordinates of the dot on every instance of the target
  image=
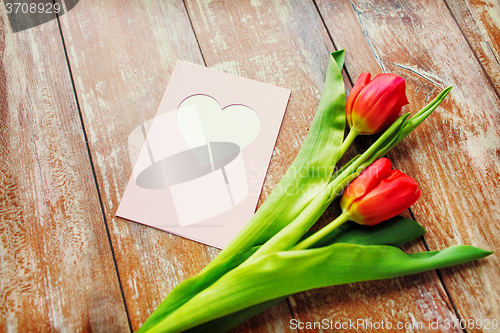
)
(225, 131)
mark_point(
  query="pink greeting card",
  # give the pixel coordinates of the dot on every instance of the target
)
(199, 171)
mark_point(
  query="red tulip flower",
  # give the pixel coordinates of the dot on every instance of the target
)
(373, 106)
(378, 194)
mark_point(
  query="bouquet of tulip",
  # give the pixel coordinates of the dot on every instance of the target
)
(276, 255)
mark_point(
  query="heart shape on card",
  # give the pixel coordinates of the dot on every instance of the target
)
(201, 120)
(203, 182)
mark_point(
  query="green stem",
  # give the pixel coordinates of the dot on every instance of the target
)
(313, 239)
(369, 153)
(291, 234)
(353, 133)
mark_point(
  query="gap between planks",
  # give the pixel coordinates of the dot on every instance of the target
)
(93, 171)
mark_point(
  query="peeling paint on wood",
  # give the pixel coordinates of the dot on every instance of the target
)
(121, 56)
(57, 271)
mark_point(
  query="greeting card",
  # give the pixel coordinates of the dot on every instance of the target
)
(200, 169)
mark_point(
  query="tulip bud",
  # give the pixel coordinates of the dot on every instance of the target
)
(378, 194)
(373, 106)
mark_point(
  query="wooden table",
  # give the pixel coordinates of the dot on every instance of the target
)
(73, 89)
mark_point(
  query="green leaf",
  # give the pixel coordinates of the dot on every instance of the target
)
(285, 273)
(385, 140)
(194, 285)
(359, 163)
(308, 176)
(388, 233)
(347, 165)
(417, 119)
(395, 232)
(309, 173)
(230, 321)
(290, 234)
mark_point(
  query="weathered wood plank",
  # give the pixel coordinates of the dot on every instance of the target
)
(121, 56)
(285, 43)
(454, 155)
(479, 21)
(57, 271)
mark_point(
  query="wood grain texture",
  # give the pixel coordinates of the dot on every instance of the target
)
(121, 57)
(479, 21)
(454, 155)
(303, 42)
(57, 271)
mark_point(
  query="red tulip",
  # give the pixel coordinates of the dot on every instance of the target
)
(378, 194)
(374, 105)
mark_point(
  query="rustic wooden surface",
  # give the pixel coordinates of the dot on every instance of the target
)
(73, 89)
(57, 269)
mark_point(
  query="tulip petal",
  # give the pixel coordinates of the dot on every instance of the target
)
(362, 81)
(393, 100)
(388, 199)
(394, 114)
(366, 181)
(379, 103)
